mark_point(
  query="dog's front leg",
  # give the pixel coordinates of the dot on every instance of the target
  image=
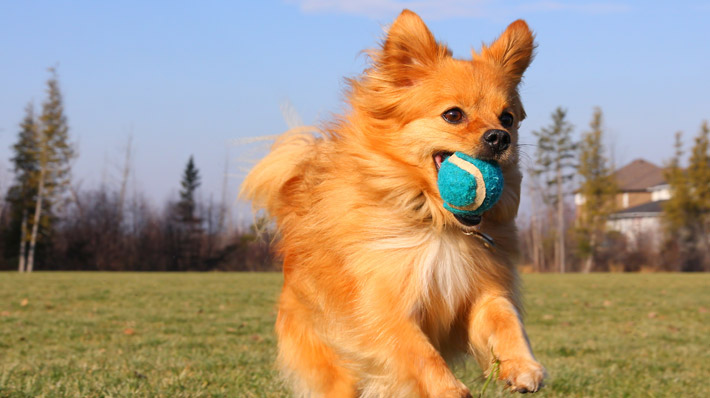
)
(409, 351)
(393, 340)
(496, 333)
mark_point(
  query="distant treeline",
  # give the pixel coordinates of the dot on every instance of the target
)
(48, 223)
(93, 233)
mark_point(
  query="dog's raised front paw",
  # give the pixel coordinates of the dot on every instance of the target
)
(522, 375)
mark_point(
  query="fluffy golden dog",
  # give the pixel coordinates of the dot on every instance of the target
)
(382, 285)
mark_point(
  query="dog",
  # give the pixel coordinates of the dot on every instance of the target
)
(383, 285)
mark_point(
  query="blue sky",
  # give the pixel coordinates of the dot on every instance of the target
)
(190, 77)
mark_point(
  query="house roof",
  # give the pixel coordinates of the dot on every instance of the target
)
(638, 175)
(649, 209)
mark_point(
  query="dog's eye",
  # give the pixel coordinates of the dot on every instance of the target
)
(453, 115)
(506, 119)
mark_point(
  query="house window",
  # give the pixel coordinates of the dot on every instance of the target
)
(661, 194)
(578, 199)
(625, 200)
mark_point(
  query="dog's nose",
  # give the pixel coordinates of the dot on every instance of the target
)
(497, 140)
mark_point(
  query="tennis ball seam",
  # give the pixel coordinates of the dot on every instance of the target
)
(469, 186)
(480, 183)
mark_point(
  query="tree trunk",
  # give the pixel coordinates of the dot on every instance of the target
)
(77, 201)
(124, 177)
(560, 222)
(223, 205)
(536, 238)
(705, 238)
(23, 242)
(589, 262)
(35, 227)
(702, 244)
(535, 243)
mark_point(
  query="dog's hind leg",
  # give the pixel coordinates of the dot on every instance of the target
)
(311, 366)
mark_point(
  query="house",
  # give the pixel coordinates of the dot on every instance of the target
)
(642, 190)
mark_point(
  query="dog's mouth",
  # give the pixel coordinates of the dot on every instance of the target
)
(465, 220)
(440, 157)
(468, 221)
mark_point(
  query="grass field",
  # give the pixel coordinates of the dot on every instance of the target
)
(210, 335)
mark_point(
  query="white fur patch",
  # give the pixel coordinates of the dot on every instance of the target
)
(445, 272)
(442, 268)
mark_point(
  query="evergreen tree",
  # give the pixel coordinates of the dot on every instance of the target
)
(190, 182)
(58, 150)
(554, 166)
(598, 189)
(188, 231)
(678, 209)
(42, 161)
(22, 193)
(699, 181)
(684, 216)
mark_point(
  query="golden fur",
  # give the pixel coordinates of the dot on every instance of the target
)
(381, 285)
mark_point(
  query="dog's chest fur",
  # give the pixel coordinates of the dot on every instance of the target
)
(444, 277)
(440, 275)
(444, 272)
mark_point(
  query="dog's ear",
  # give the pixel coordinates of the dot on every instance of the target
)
(409, 50)
(513, 50)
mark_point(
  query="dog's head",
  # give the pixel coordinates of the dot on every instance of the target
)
(418, 104)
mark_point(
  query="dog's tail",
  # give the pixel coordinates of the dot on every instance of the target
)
(265, 182)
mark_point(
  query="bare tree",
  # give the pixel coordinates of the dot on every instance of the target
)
(126, 172)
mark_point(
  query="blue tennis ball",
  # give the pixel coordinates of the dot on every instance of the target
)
(469, 186)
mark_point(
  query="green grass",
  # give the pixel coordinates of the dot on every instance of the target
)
(210, 335)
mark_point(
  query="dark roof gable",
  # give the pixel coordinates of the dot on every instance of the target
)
(638, 175)
(648, 209)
